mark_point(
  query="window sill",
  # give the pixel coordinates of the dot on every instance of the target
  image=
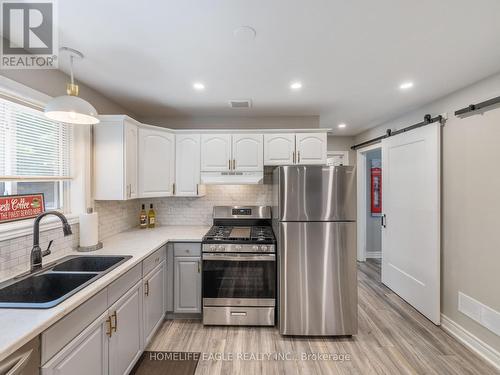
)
(9, 231)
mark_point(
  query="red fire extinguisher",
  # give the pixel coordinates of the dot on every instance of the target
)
(376, 190)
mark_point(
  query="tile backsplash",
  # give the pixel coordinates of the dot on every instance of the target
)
(198, 211)
(16, 251)
(118, 216)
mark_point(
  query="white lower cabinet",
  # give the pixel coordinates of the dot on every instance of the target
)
(86, 354)
(187, 284)
(126, 341)
(154, 301)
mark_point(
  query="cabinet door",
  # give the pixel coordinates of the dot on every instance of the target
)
(248, 152)
(187, 285)
(154, 304)
(215, 152)
(130, 152)
(157, 163)
(126, 342)
(86, 354)
(279, 149)
(187, 164)
(311, 148)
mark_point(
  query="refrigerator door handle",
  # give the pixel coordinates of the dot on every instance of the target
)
(383, 221)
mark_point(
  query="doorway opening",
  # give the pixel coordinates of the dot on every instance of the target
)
(369, 166)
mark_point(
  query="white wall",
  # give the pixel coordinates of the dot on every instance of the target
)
(53, 82)
(235, 122)
(342, 143)
(470, 201)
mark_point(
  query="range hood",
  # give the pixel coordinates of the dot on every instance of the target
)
(232, 178)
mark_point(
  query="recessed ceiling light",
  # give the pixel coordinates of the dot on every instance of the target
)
(198, 86)
(296, 85)
(341, 126)
(406, 85)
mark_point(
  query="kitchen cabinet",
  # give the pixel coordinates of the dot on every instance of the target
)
(279, 149)
(247, 152)
(215, 152)
(126, 341)
(187, 284)
(156, 163)
(116, 158)
(87, 354)
(154, 301)
(187, 165)
(311, 148)
(295, 148)
(232, 152)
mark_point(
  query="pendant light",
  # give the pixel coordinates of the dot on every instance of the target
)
(70, 108)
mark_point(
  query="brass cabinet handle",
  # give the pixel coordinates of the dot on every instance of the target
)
(234, 164)
(173, 188)
(197, 190)
(298, 156)
(229, 164)
(293, 157)
(115, 326)
(199, 267)
(146, 288)
(110, 326)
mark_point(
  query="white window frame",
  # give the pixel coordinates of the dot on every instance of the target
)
(79, 191)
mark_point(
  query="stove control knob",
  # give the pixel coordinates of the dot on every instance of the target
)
(255, 248)
(213, 247)
(221, 248)
(238, 247)
(263, 248)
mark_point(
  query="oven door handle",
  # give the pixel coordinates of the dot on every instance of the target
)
(240, 257)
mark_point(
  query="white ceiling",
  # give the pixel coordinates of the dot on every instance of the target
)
(351, 55)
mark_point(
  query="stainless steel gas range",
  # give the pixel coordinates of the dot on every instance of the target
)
(239, 267)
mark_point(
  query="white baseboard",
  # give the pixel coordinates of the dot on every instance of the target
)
(472, 342)
(374, 254)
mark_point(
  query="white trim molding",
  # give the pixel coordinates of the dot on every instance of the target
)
(475, 344)
(373, 254)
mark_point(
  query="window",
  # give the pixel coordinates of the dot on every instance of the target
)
(35, 154)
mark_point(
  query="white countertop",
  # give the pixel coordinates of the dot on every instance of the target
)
(18, 326)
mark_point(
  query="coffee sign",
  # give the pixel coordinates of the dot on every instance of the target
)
(18, 207)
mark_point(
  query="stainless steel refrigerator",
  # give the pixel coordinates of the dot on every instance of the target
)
(314, 219)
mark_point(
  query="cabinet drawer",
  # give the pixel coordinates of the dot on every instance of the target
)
(119, 287)
(187, 249)
(65, 330)
(153, 260)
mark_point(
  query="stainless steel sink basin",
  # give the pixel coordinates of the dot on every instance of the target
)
(56, 282)
(43, 290)
(89, 263)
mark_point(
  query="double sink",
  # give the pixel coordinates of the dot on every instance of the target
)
(57, 282)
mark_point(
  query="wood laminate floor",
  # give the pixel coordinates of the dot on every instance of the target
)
(393, 338)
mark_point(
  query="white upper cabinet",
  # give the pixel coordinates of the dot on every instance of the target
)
(156, 163)
(247, 152)
(215, 152)
(187, 165)
(115, 158)
(311, 148)
(131, 157)
(279, 149)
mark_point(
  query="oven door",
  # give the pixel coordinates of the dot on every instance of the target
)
(239, 279)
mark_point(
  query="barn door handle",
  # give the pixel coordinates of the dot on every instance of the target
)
(383, 221)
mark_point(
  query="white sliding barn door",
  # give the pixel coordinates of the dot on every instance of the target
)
(411, 185)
